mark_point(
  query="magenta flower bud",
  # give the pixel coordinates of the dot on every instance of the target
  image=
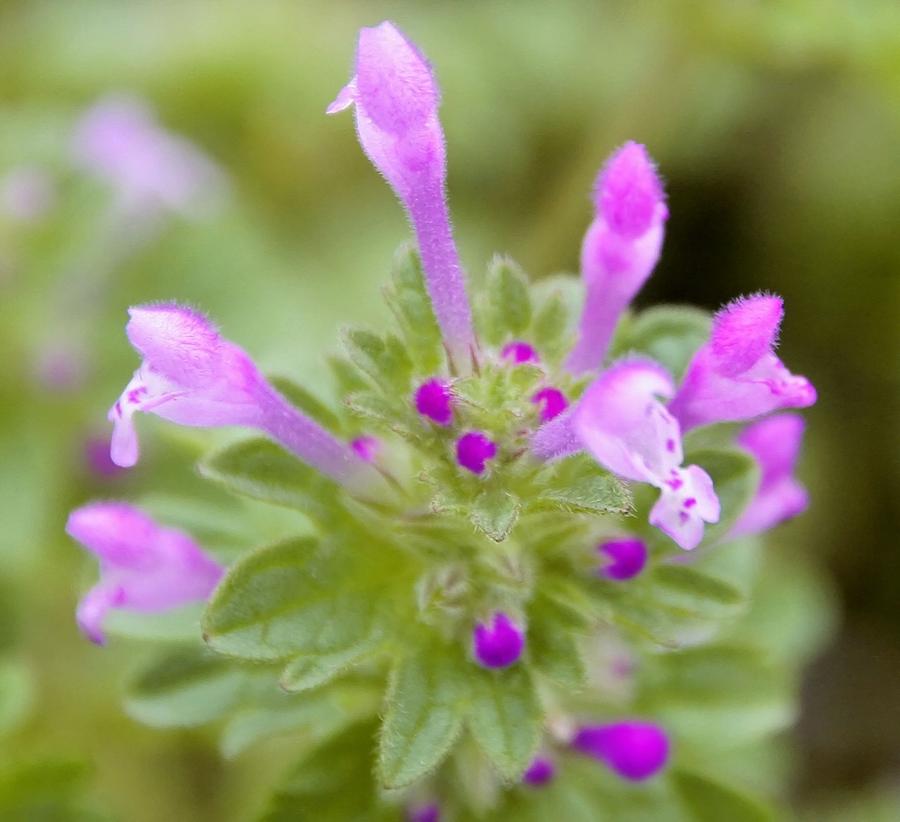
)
(622, 558)
(540, 772)
(775, 443)
(519, 352)
(499, 644)
(620, 250)
(634, 750)
(736, 375)
(119, 140)
(434, 400)
(629, 432)
(425, 813)
(366, 448)
(473, 450)
(27, 193)
(396, 99)
(552, 403)
(192, 376)
(143, 566)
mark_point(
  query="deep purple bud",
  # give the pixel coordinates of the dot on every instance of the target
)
(366, 448)
(552, 403)
(622, 558)
(434, 400)
(540, 772)
(519, 352)
(499, 644)
(634, 750)
(473, 450)
(424, 813)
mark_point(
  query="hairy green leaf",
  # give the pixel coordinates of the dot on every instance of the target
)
(505, 717)
(669, 334)
(494, 512)
(423, 717)
(508, 309)
(262, 470)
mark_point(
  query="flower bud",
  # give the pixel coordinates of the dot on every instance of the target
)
(498, 644)
(634, 750)
(434, 400)
(622, 559)
(473, 450)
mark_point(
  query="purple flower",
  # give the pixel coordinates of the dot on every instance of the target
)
(191, 376)
(143, 566)
(552, 403)
(424, 813)
(629, 432)
(634, 750)
(473, 450)
(736, 375)
(540, 772)
(434, 400)
(396, 101)
(775, 443)
(519, 352)
(622, 558)
(27, 193)
(366, 448)
(620, 249)
(498, 644)
(119, 140)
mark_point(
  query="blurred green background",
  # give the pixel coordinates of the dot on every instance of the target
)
(777, 128)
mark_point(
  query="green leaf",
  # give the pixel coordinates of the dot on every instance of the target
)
(735, 475)
(579, 485)
(173, 625)
(494, 513)
(331, 783)
(262, 470)
(409, 301)
(307, 672)
(552, 648)
(505, 718)
(384, 361)
(294, 598)
(559, 300)
(184, 688)
(508, 309)
(318, 716)
(668, 334)
(308, 403)
(706, 800)
(15, 694)
(423, 717)
(346, 376)
(698, 691)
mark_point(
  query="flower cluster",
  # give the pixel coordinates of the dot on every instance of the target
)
(484, 460)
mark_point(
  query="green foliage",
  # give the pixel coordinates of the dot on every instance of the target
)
(259, 469)
(707, 800)
(505, 718)
(507, 309)
(669, 334)
(15, 694)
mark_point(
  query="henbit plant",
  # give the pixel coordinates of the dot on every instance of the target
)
(494, 592)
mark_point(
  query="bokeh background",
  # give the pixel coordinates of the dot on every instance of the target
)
(777, 128)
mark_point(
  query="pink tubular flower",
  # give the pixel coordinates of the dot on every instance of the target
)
(498, 644)
(634, 750)
(396, 101)
(191, 376)
(120, 141)
(434, 400)
(622, 558)
(620, 249)
(736, 375)
(552, 403)
(473, 450)
(629, 432)
(519, 352)
(143, 566)
(775, 443)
